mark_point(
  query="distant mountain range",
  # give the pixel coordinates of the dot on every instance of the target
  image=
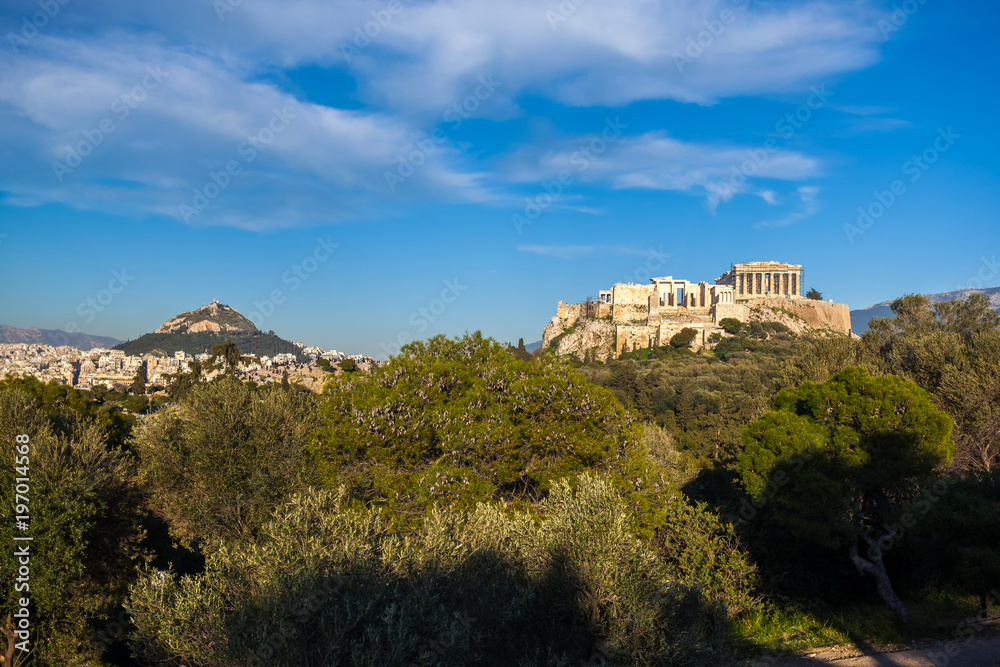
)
(55, 338)
(196, 331)
(860, 318)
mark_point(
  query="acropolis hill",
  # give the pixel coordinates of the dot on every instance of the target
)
(632, 316)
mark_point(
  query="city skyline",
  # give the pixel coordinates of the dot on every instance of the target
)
(353, 175)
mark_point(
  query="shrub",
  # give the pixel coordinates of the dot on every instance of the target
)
(85, 524)
(683, 338)
(732, 325)
(483, 587)
(218, 463)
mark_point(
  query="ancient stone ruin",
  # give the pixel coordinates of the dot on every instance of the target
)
(634, 316)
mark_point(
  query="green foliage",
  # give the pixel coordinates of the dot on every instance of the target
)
(323, 363)
(520, 352)
(227, 356)
(461, 420)
(64, 405)
(683, 338)
(951, 349)
(482, 587)
(705, 402)
(814, 294)
(347, 365)
(732, 325)
(257, 343)
(702, 551)
(138, 387)
(871, 441)
(86, 517)
(218, 463)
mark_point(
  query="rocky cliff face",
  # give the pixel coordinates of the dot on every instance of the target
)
(597, 336)
(216, 317)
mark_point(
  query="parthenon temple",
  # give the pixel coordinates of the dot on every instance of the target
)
(764, 279)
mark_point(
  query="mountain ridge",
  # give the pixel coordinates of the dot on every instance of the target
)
(55, 338)
(861, 317)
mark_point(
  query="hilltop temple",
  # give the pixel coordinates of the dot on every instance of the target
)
(644, 315)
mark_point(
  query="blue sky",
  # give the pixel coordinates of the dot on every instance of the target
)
(354, 174)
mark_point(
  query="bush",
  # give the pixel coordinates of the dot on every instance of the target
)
(732, 325)
(683, 338)
(218, 463)
(483, 587)
(86, 525)
(462, 420)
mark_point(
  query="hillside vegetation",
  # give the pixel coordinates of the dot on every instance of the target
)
(467, 503)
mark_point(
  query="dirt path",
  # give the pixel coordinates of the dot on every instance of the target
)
(980, 650)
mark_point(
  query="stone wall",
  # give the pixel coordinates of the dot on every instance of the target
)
(817, 314)
(738, 311)
(630, 302)
(628, 336)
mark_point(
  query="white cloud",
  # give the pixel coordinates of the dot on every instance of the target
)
(156, 123)
(577, 251)
(657, 161)
(807, 207)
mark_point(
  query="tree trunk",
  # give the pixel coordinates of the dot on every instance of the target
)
(8, 630)
(876, 568)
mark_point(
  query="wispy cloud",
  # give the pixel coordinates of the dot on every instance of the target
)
(656, 161)
(578, 251)
(807, 207)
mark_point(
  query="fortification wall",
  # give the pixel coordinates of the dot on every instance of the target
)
(638, 336)
(630, 302)
(738, 311)
(817, 314)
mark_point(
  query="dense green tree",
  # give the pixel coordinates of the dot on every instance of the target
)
(347, 365)
(951, 349)
(218, 463)
(138, 387)
(871, 443)
(683, 338)
(731, 325)
(814, 294)
(227, 356)
(462, 420)
(86, 516)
